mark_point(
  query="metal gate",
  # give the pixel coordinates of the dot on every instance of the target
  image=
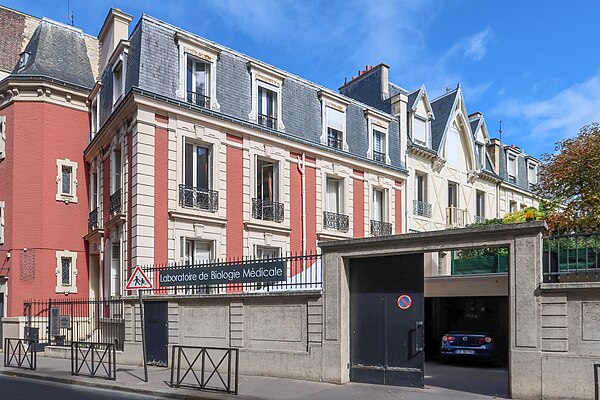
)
(386, 320)
(157, 332)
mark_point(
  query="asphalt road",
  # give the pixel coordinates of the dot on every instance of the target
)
(14, 388)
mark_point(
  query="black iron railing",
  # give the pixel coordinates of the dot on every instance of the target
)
(60, 322)
(198, 99)
(198, 199)
(572, 256)
(115, 202)
(96, 360)
(267, 120)
(93, 219)
(422, 208)
(334, 140)
(379, 157)
(267, 210)
(20, 353)
(205, 368)
(380, 228)
(339, 222)
(303, 273)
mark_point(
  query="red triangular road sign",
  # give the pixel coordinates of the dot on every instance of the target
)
(138, 280)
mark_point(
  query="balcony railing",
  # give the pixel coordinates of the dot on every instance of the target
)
(422, 208)
(455, 217)
(380, 228)
(480, 219)
(339, 222)
(512, 179)
(198, 199)
(115, 202)
(268, 121)
(93, 219)
(267, 210)
(379, 157)
(334, 141)
(198, 99)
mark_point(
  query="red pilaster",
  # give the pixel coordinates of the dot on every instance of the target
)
(358, 204)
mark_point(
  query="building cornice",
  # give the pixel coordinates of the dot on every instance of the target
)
(43, 89)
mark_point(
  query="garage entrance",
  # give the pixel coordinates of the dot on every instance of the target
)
(386, 320)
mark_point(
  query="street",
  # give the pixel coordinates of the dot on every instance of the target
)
(15, 388)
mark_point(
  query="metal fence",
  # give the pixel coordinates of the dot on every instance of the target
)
(207, 368)
(572, 256)
(303, 272)
(20, 353)
(96, 360)
(60, 322)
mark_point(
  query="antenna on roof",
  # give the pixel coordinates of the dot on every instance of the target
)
(70, 14)
(500, 131)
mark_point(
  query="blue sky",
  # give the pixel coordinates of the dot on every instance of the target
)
(535, 65)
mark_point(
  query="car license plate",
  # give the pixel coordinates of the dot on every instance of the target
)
(465, 352)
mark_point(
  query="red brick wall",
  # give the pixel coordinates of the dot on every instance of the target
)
(358, 204)
(398, 208)
(235, 198)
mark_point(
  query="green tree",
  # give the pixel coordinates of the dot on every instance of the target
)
(571, 178)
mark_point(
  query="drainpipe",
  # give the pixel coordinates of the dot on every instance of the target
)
(302, 169)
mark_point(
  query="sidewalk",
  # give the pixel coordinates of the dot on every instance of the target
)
(130, 379)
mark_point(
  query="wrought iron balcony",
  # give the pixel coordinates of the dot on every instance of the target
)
(334, 140)
(339, 222)
(198, 99)
(422, 208)
(115, 203)
(268, 121)
(198, 199)
(455, 217)
(380, 228)
(267, 210)
(93, 219)
(479, 219)
(379, 157)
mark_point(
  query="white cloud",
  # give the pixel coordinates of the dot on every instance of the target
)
(559, 116)
(475, 46)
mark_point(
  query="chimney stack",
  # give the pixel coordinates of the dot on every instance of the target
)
(115, 29)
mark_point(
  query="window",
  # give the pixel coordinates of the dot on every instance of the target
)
(22, 63)
(333, 201)
(512, 168)
(420, 135)
(93, 191)
(115, 270)
(512, 206)
(195, 192)
(94, 118)
(379, 146)
(196, 251)
(379, 206)
(116, 181)
(118, 82)
(266, 205)
(265, 252)
(2, 137)
(452, 195)
(2, 211)
(66, 272)
(266, 96)
(532, 174)
(480, 150)
(66, 181)
(479, 206)
(198, 82)
(452, 147)
(421, 187)
(336, 123)
(267, 107)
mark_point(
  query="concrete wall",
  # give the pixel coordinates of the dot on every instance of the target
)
(278, 335)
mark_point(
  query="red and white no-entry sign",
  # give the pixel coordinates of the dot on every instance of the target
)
(404, 302)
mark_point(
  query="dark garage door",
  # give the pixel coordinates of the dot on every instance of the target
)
(386, 328)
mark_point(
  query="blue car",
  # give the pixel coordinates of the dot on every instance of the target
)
(469, 345)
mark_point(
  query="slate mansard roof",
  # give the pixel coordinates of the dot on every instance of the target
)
(442, 109)
(153, 67)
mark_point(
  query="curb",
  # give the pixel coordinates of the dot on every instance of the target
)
(112, 386)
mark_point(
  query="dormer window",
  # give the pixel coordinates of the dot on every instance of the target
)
(480, 150)
(198, 82)
(532, 174)
(511, 167)
(266, 96)
(377, 125)
(94, 117)
(22, 61)
(420, 131)
(118, 81)
(333, 115)
(379, 145)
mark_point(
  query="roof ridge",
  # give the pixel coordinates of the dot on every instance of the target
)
(444, 95)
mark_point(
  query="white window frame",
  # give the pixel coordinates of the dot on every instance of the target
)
(531, 166)
(208, 72)
(94, 116)
(424, 195)
(119, 90)
(114, 172)
(189, 46)
(60, 196)
(2, 137)
(380, 122)
(427, 124)
(277, 180)
(72, 287)
(116, 279)
(479, 193)
(385, 204)
(480, 152)
(270, 79)
(2, 217)
(333, 102)
(260, 252)
(340, 194)
(190, 259)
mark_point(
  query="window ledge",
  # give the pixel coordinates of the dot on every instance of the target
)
(570, 286)
(66, 198)
(206, 217)
(267, 226)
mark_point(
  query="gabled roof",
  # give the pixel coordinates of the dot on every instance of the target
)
(442, 108)
(474, 125)
(416, 96)
(57, 51)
